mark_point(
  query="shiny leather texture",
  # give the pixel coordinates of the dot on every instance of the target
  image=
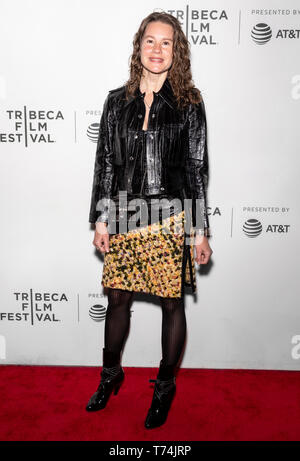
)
(109, 383)
(163, 395)
(112, 376)
(167, 161)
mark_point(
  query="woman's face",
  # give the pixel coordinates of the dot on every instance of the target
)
(157, 47)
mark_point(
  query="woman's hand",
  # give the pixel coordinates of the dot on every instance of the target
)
(101, 237)
(203, 250)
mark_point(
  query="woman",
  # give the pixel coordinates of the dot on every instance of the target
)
(152, 144)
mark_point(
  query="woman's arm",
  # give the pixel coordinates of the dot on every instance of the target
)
(196, 167)
(103, 168)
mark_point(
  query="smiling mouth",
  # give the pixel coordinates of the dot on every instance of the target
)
(156, 59)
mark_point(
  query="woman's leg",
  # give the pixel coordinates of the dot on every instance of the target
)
(173, 334)
(172, 339)
(117, 319)
(116, 327)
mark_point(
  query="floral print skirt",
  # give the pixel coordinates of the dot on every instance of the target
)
(153, 259)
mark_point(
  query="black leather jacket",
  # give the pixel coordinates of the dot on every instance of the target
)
(169, 160)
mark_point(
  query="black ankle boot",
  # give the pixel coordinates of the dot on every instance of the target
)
(112, 376)
(164, 391)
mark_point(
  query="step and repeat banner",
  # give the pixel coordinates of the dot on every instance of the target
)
(58, 60)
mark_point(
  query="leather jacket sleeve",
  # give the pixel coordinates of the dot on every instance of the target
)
(104, 166)
(196, 166)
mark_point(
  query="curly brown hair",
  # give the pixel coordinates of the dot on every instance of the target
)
(179, 75)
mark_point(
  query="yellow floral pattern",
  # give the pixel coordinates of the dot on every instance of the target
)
(150, 259)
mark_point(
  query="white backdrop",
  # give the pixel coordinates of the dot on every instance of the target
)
(58, 60)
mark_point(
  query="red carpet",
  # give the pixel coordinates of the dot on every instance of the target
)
(48, 403)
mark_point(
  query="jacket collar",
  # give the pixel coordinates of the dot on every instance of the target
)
(165, 93)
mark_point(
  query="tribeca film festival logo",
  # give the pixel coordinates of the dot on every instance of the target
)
(253, 227)
(197, 24)
(28, 126)
(35, 307)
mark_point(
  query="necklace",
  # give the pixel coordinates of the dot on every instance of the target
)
(147, 104)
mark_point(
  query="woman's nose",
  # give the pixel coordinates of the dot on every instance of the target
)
(156, 47)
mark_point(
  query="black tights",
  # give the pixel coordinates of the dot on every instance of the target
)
(118, 320)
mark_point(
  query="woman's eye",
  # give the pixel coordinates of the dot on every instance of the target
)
(149, 40)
